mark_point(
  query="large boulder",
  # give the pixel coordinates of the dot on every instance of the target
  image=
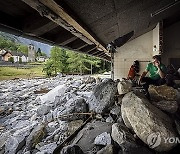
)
(51, 95)
(168, 106)
(72, 149)
(106, 150)
(148, 122)
(35, 136)
(103, 96)
(163, 92)
(126, 140)
(17, 140)
(85, 138)
(69, 110)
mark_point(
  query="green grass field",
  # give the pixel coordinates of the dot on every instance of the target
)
(7, 73)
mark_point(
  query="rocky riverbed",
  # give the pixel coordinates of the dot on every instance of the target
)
(38, 115)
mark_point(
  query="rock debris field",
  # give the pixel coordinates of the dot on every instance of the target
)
(87, 115)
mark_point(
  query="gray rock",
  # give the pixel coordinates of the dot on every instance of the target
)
(116, 110)
(4, 137)
(168, 106)
(89, 79)
(146, 120)
(51, 95)
(35, 136)
(49, 117)
(27, 152)
(106, 150)
(72, 149)
(103, 139)
(121, 134)
(73, 126)
(43, 109)
(85, 138)
(103, 96)
(17, 141)
(163, 92)
(110, 119)
(74, 105)
(49, 148)
(124, 87)
(177, 123)
(82, 86)
(126, 140)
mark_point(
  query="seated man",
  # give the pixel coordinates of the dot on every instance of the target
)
(133, 72)
(157, 73)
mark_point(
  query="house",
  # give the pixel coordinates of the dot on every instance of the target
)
(18, 55)
(5, 55)
(41, 59)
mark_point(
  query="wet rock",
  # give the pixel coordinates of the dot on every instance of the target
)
(103, 96)
(106, 150)
(35, 136)
(146, 120)
(163, 92)
(124, 87)
(168, 106)
(103, 139)
(72, 149)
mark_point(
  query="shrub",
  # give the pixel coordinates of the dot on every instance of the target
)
(11, 59)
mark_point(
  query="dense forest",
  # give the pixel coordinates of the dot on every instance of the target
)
(66, 61)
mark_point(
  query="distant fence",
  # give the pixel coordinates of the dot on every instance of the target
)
(9, 64)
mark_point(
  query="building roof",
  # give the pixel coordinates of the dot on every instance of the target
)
(18, 53)
(6, 53)
(86, 26)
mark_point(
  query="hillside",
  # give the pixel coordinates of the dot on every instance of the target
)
(44, 47)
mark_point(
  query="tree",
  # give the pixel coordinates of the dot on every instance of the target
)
(38, 53)
(59, 59)
(23, 48)
(48, 68)
(43, 54)
(94, 62)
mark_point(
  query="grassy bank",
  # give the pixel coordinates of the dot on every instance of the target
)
(7, 73)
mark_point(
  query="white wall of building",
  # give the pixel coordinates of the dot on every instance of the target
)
(24, 59)
(16, 58)
(140, 49)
